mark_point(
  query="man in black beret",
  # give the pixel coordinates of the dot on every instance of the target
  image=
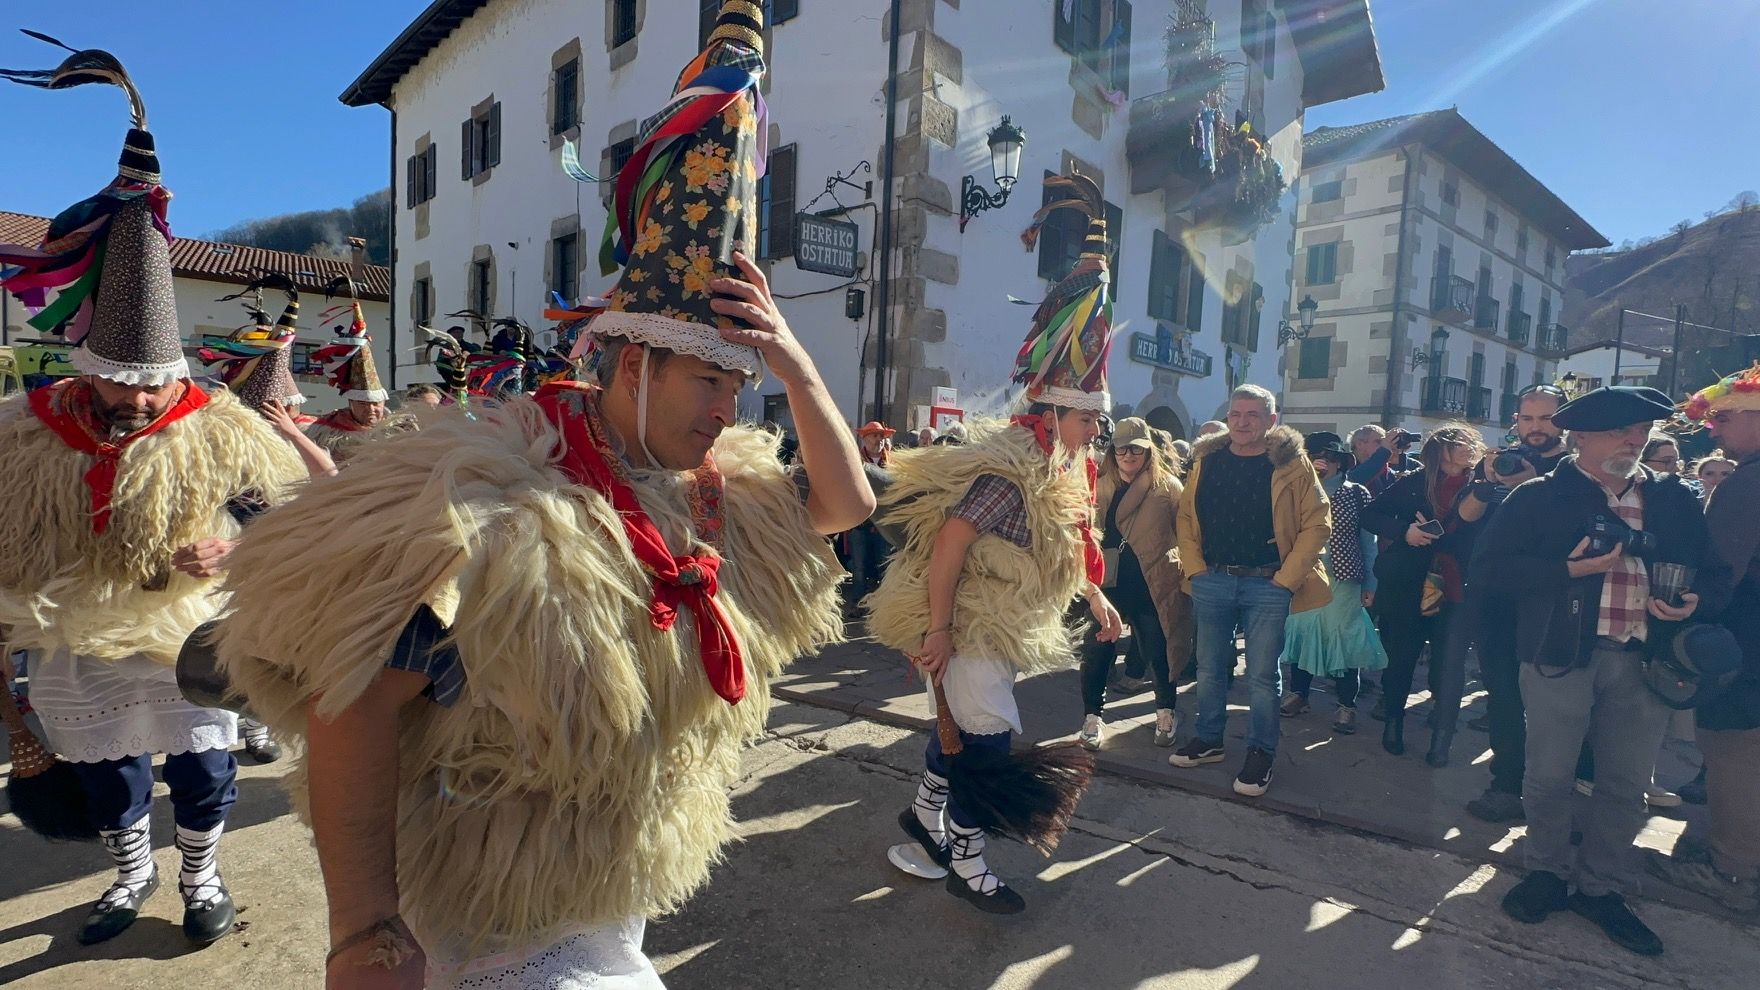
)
(1574, 549)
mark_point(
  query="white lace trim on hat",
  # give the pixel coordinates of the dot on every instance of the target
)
(148, 375)
(1071, 398)
(696, 339)
(364, 395)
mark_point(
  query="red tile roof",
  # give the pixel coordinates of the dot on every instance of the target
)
(213, 261)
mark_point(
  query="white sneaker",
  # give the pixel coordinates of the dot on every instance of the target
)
(1092, 730)
(1661, 797)
(1585, 787)
(1166, 726)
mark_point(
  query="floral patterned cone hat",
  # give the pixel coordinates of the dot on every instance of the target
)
(687, 199)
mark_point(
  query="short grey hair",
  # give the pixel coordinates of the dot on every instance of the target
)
(1370, 430)
(1256, 394)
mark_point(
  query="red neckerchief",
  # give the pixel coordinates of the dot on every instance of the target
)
(1093, 560)
(69, 410)
(343, 420)
(688, 580)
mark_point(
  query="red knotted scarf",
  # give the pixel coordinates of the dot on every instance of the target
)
(1093, 560)
(69, 411)
(679, 580)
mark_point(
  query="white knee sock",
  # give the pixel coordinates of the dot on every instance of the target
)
(968, 858)
(199, 879)
(131, 848)
(931, 800)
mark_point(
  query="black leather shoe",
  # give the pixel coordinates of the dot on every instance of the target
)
(111, 917)
(1440, 741)
(1002, 900)
(1536, 897)
(1609, 911)
(941, 855)
(208, 919)
(267, 751)
(1393, 736)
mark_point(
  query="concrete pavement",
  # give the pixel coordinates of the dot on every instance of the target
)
(1154, 887)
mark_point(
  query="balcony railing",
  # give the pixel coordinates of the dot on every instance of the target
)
(1451, 298)
(1485, 310)
(1554, 338)
(1445, 395)
(1479, 403)
(1521, 328)
(1507, 408)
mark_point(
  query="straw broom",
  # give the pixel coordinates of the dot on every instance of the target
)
(1029, 796)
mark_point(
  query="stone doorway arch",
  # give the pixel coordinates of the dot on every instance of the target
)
(1164, 418)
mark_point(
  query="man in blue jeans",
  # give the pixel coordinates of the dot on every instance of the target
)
(1252, 523)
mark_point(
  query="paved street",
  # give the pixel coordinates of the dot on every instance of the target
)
(1155, 887)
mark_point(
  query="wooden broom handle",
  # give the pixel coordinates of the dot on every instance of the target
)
(945, 726)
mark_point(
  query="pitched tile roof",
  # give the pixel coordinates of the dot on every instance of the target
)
(214, 261)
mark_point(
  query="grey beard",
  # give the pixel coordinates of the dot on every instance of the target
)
(1620, 466)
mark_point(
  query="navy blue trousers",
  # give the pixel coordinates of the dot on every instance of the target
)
(120, 792)
(936, 761)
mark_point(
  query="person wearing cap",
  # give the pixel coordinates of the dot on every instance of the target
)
(1253, 522)
(876, 439)
(999, 543)
(1337, 640)
(1728, 722)
(1138, 497)
(1585, 624)
(113, 541)
(524, 708)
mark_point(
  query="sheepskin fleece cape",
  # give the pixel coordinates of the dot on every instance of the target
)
(583, 776)
(1010, 602)
(344, 444)
(114, 594)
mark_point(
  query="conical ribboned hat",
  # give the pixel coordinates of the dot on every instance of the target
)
(687, 200)
(348, 358)
(1063, 361)
(109, 255)
(256, 364)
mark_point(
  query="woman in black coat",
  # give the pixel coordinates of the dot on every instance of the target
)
(1434, 495)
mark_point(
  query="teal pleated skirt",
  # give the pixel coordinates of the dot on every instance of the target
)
(1335, 638)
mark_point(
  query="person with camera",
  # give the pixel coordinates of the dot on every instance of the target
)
(1425, 517)
(1381, 456)
(1575, 550)
(1536, 448)
(1728, 722)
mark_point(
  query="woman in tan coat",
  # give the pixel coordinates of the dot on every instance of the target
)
(1138, 498)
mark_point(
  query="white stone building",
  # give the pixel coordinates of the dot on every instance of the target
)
(483, 93)
(1437, 262)
(202, 272)
(1609, 363)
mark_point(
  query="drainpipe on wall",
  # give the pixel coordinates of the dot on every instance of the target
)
(884, 303)
(391, 303)
(1390, 398)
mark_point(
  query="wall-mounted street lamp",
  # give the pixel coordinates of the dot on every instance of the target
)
(1006, 141)
(1286, 333)
(1438, 349)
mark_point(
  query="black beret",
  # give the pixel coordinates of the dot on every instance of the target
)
(1613, 407)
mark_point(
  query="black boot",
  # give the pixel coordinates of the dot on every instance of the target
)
(1393, 734)
(1440, 740)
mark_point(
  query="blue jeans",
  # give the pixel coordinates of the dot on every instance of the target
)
(1221, 603)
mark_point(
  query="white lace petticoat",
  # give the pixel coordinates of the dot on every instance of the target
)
(607, 957)
(93, 710)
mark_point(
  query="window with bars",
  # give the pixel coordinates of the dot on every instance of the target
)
(421, 306)
(565, 266)
(565, 83)
(419, 176)
(1326, 192)
(1490, 223)
(1322, 264)
(482, 288)
(623, 22)
(1060, 239)
(776, 204)
(1316, 358)
(480, 136)
(616, 156)
(1451, 194)
(1098, 34)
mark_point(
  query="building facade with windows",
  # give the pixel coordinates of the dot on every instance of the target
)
(483, 94)
(1438, 266)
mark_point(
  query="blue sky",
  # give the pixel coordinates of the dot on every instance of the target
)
(1638, 114)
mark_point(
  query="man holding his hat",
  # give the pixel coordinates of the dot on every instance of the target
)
(1728, 730)
(1575, 549)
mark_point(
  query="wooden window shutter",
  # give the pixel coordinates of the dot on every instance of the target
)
(1121, 51)
(782, 10)
(780, 221)
(1252, 313)
(1163, 279)
(466, 153)
(1194, 291)
(1063, 29)
(493, 157)
(1114, 239)
(409, 182)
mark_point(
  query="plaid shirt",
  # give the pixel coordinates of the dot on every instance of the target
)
(1625, 590)
(419, 649)
(995, 505)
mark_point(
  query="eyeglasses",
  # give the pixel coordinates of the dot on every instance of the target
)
(1543, 389)
(1670, 461)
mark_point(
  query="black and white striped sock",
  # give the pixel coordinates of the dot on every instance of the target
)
(131, 848)
(968, 858)
(255, 733)
(199, 879)
(930, 801)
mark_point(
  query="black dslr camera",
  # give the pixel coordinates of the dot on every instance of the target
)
(1511, 460)
(1607, 532)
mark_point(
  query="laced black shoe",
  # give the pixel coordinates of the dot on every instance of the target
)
(1255, 776)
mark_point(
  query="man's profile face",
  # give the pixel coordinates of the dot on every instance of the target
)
(690, 402)
(1737, 432)
(130, 408)
(1534, 421)
(1076, 428)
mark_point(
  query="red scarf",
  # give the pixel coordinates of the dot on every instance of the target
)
(70, 412)
(342, 419)
(687, 580)
(1093, 560)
